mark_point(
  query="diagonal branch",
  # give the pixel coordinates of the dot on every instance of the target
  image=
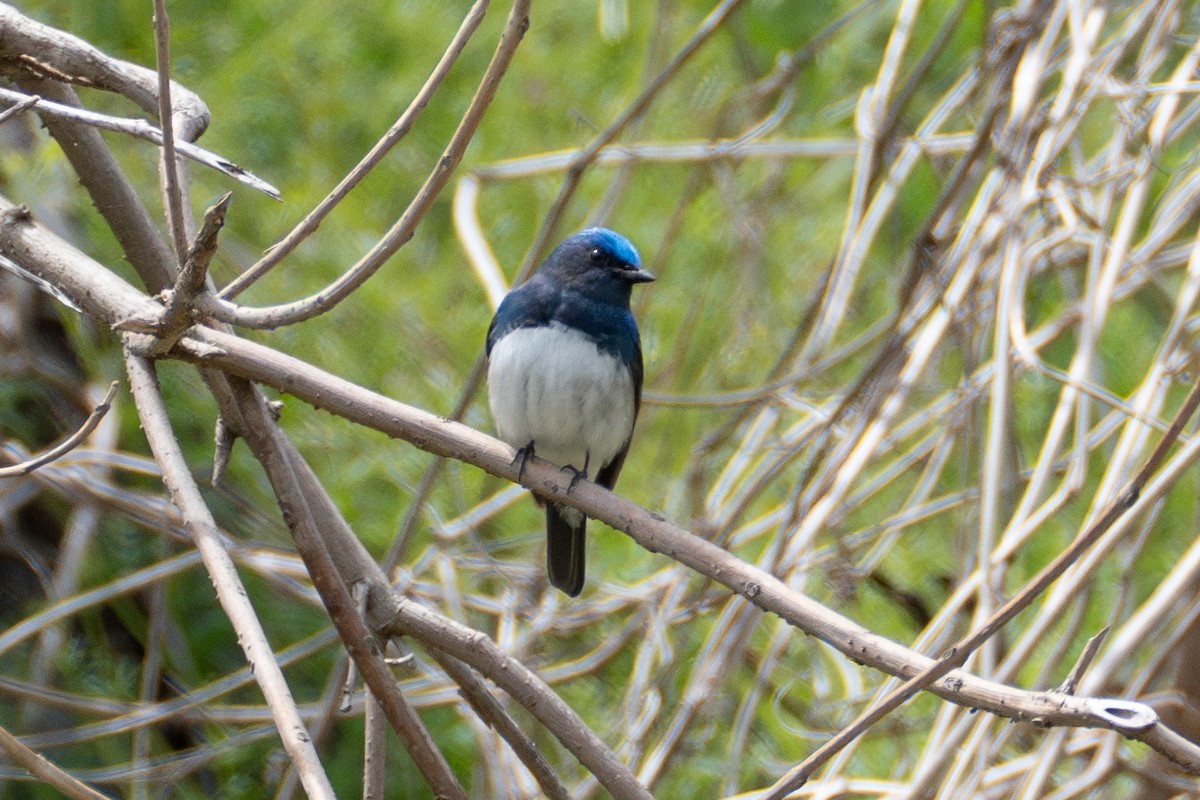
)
(230, 592)
(404, 228)
(389, 140)
(280, 462)
(44, 770)
(101, 293)
(138, 128)
(66, 445)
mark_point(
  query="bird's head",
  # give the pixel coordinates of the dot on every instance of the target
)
(599, 260)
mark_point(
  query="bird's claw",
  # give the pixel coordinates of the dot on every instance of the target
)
(521, 459)
(577, 474)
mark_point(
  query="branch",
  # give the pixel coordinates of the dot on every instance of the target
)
(106, 296)
(402, 231)
(394, 134)
(389, 615)
(231, 593)
(279, 461)
(109, 188)
(68, 444)
(45, 770)
(177, 316)
(1122, 715)
(168, 164)
(489, 709)
(457, 441)
(139, 129)
(45, 52)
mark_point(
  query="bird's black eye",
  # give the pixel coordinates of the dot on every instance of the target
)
(596, 254)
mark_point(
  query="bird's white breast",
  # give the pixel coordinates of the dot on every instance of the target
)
(552, 386)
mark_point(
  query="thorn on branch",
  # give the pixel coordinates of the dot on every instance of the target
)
(16, 214)
(1085, 660)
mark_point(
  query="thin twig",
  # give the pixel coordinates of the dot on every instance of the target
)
(167, 163)
(139, 129)
(374, 749)
(19, 108)
(46, 771)
(398, 131)
(1083, 662)
(403, 229)
(68, 444)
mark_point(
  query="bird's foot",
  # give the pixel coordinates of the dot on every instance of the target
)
(521, 459)
(577, 474)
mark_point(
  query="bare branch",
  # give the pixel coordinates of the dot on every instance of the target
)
(44, 770)
(402, 231)
(167, 164)
(381, 148)
(957, 286)
(490, 711)
(230, 591)
(46, 52)
(20, 239)
(306, 504)
(68, 444)
(139, 129)
(1083, 662)
(110, 190)
(262, 435)
(180, 306)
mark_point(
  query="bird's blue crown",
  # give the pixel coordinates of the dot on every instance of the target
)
(614, 244)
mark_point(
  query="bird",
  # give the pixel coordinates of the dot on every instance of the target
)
(564, 374)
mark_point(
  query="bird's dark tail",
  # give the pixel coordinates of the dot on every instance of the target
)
(566, 535)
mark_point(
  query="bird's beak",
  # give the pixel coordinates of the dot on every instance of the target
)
(638, 276)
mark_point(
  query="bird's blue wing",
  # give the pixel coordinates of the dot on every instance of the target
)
(532, 303)
(619, 337)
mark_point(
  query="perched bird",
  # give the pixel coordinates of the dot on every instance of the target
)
(565, 375)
